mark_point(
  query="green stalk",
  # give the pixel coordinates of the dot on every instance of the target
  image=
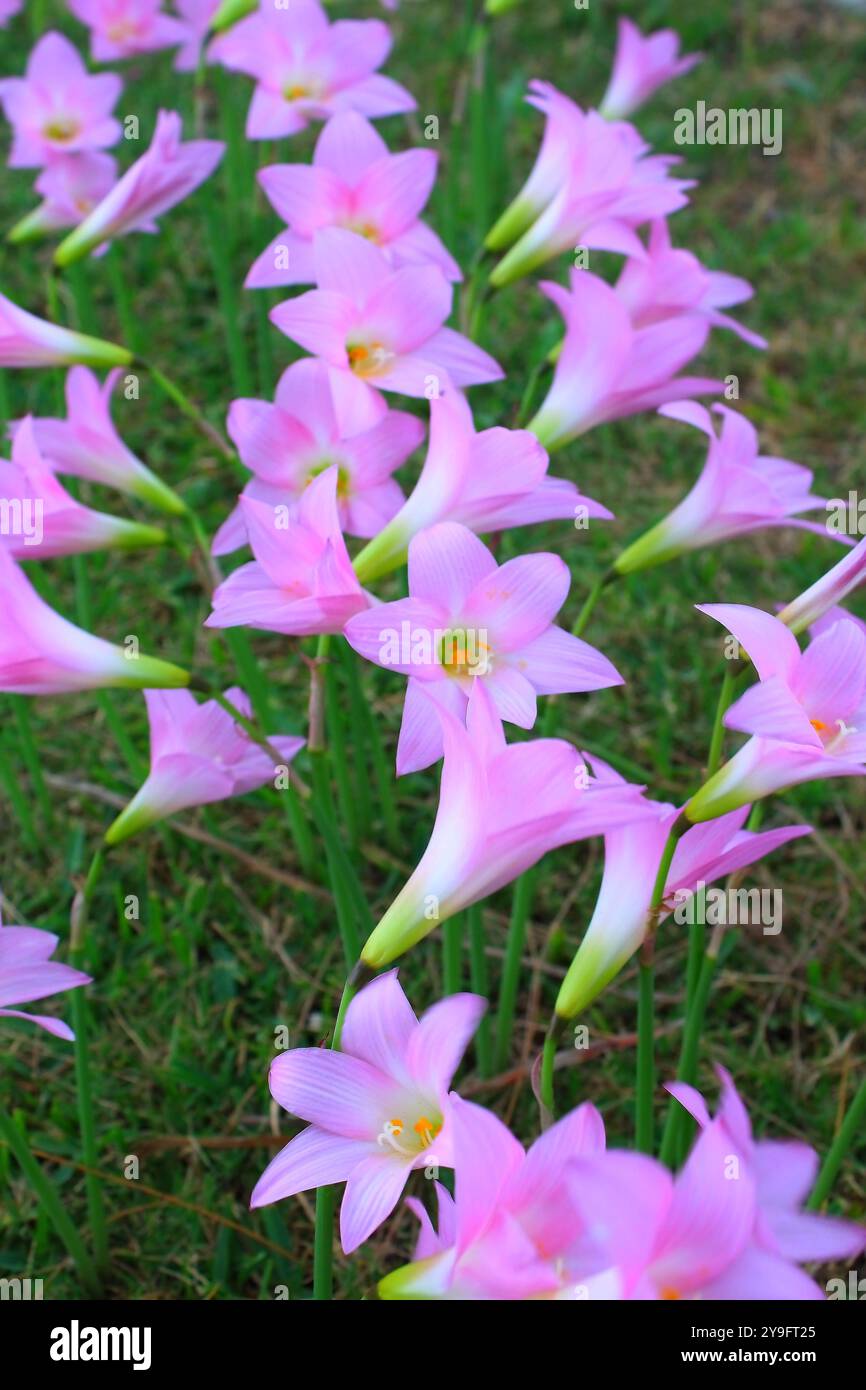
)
(30, 756)
(80, 1025)
(323, 1254)
(646, 1004)
(592, 599)
(725, 696)
(452, 954)
(187, 408)
(480, 980)
(521, 904)
(841, 1144)
(676, 1121)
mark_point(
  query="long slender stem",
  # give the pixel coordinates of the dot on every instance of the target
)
(646, 1004)
(80, 1023)
(188, 408)
(591, 600)
(521, 904)
(323, 1253)
(480, 980)
(452, 954)
(841, 1144)
(725, 696)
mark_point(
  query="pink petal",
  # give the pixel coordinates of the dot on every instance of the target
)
(446, 562)
(518, 603)
(339, 1093)
(441, 1038)
(314, 1158)
(372, 1192)
(379, 1025)
(770, 645)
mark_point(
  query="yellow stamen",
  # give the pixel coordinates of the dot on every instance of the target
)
(818, 725)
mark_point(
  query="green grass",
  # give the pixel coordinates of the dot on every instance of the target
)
(200, 952)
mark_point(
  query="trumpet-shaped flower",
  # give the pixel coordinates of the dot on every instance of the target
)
(168, 171)
(468, 619)
(198, 754)
(123, 28)
(385, 325)
(57, 107)
(70, 185)
(301, 581)
(27, 973)
(377, 1110)
(321, 417)
(28, 341)
(632, 854)
(501, 808)
(43, 654)
(39, 519)
(641, 64)
(608, 368)
(490, 481)
(307, 69)
(843, 579)
(806, 715)
(356, 183)
(738, 491)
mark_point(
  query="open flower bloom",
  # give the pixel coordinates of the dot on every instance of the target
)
(608, 368)
(198, 754)
(806, 715)
(57, 107)
(738, 491)
(642, 63)
(307, 69)
(71, 185)
(198, 16)
(301, 581)
(123, 28)
(597, 182)
(632, 854)
(87, 445)
(27, 972)
(468, 619)
(668, 281)
(28, 341)
(490, 481)
(385, 325)
(43, 654)
(321, 417)
(165, 174)
(377, 1110)
(827, 592)
(41, 519)
(501, 808)
(353, 182)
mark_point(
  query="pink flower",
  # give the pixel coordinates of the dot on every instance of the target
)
(608, 368)
(632, 854)
(27, 973)
(469, 619)
(301, 581)
(167, 172)
(490, 481)
(27, 341)
(197, 16)
(385, 325)
(321, 417)
(43, 654)
(58, 107)
(307, 69)
(39, 519)
(377, 1110)
(843, 579)
(356, 183)
(71, 185)
(833, 616)
(87, 445)
(806, 715)
(501, 808)
(667, 282)
(593, 184)
(122, 28)
(739, 491)
(198, 754)
(640, 65)
(8, 8)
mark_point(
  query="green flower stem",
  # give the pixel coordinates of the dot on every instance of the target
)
(548, 1063)
(521, 905)
(591, 600)
(646, 1002)
(187, 408)
(30, 756)
(480, 980)
(323, 1253)
(848, 1130)
(452, 954)
(80, 1023)
(725, 696)
(675, 1123)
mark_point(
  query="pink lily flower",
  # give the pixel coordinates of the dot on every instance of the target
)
(806, 715)
(198, 754)
(594, 183)
(843, 579)
(608, 368)
(632, 854)
(198, 17)
(784, 1172)
(8, 8)
(57, 107)
(385, 325)
(123, 28)
(70, 185)
(667, 282)
(43, 654)
(301, 581)
(490, 481)
(41, 519)
(356, 183)
(307, 69)
(738, 491)
(468, 619)
(321, 417)
(501, 808)
(27, 973)
(28, 341)
(167, 172)
(377, 1110)
(641, 64)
